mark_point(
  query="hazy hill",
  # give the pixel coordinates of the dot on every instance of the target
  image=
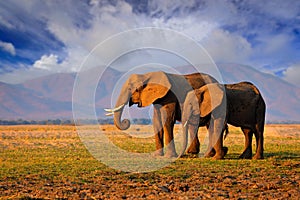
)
(50, 96)
(57, 86)
(19, 102)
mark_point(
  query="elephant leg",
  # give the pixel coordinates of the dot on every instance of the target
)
(217, 139)
(168, 121)
(259, 142)
(247, 153)
(169, 139)
(194, 147)
(158, 131)
(210, 152)
(220, 151)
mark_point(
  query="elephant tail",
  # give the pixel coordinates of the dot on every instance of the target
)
(226, 131)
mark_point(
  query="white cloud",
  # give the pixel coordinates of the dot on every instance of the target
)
(223, 28)
(273, 43)
(8, 47)
(292, 74)
(275, 50)
(5, 23)
(203, 25)
(71, 63)
(104, 21)
(23, 74)
(108, 20)
(227, 47)
(287, 9)
(46, 62)
(189, 25)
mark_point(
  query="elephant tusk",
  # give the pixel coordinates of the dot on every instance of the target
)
(109, 114)
(114, 109)
(185, 124)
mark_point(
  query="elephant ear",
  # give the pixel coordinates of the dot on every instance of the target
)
(212, 96)
(156, 86)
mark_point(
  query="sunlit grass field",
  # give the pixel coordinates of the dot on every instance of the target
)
(49, 162)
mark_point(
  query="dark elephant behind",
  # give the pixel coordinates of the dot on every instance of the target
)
(245, 108)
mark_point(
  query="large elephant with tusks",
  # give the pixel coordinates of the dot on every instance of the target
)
(166, 92)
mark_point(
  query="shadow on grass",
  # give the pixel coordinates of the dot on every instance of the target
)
(282, 155)
(233, 156)
(279, 155)
(267, 155)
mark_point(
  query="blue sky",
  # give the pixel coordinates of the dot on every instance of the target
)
(43, 37)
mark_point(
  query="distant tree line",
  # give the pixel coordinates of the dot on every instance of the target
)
(283, 122)
(141, 121)
(68, 121)
(37, 122)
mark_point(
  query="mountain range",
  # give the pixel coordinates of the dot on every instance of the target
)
(50, 97)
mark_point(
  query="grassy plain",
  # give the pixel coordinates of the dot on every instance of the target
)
(51, 162)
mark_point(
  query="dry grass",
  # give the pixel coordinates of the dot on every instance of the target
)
(52, 162)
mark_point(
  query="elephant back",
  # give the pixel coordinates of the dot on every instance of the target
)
(197, 80)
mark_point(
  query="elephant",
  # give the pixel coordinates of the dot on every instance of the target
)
(167, 93)
(245, 108)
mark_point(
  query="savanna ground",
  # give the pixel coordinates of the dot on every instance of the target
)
(51, 162)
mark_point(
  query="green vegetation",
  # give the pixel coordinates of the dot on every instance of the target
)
(52, 162)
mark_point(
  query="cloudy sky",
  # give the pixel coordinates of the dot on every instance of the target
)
(42, 37)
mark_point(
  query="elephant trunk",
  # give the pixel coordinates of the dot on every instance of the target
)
(122, 125)
(121, 102)
(184, 137)
(190, 116)
(123, 99)
(186, 113)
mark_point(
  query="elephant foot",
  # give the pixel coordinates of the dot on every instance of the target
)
(247, 154)
(258, 157)
(158, 153)
(209, 154)
(194, 148)
(212, 152)
(222, 155)
(171, 155)
(225, 150)
(218, 157)
(193, 151)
